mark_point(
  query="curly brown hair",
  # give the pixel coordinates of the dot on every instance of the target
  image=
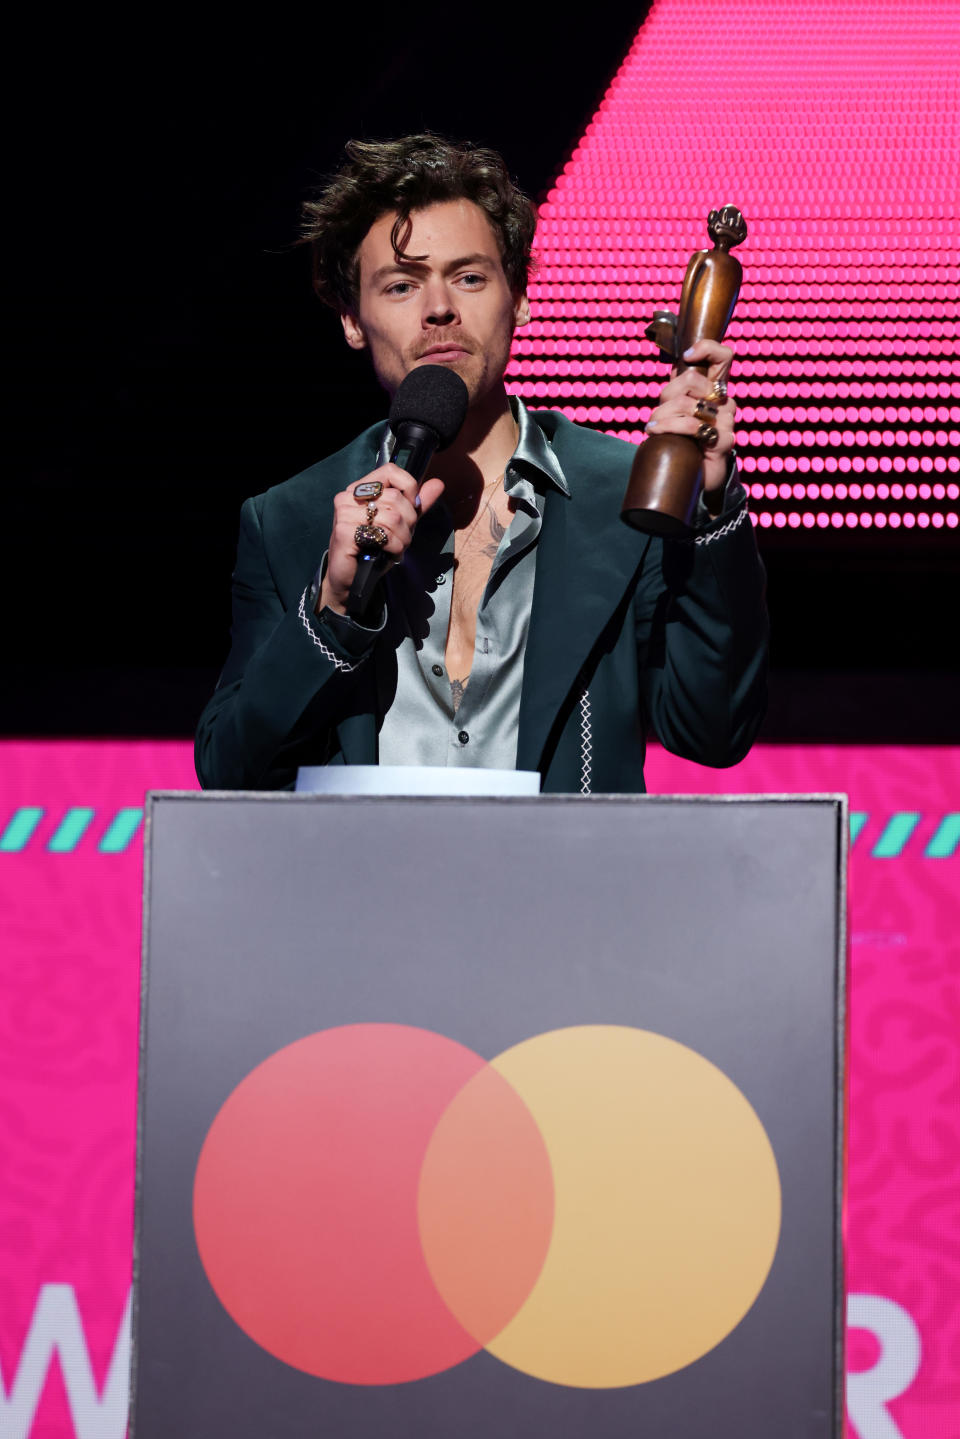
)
(406, 175)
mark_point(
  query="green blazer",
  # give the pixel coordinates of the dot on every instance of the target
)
(627, 634)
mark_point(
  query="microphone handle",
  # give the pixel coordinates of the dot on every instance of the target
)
(414, 448)
(413, 453)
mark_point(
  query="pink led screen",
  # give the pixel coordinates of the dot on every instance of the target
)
(70, 871)
(834, 128)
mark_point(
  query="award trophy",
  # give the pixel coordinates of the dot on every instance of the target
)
(667, 473)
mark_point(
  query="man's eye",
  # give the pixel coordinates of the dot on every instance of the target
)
(472, 280)
(399, 287)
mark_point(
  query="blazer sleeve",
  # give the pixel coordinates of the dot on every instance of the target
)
(702, 635)
(287, 676)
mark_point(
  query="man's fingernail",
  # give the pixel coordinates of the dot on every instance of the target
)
(650, 425)
(689, 354)
(416, 502)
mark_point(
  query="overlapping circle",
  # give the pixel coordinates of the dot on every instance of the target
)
(597, 1206)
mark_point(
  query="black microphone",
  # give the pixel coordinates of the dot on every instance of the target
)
(426, 415)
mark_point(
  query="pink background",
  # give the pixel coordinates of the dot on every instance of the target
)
(68, 1037)
(833, 127)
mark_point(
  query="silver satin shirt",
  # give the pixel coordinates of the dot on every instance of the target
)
(421, 727)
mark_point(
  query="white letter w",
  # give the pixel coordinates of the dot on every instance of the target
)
(56, 1326)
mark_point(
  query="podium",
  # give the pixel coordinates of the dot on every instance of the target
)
(490, 1117)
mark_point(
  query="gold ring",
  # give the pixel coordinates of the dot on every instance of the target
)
(370, 537)
(371, 511)
(368, 490)
(705, 411)
(719, 392)
(707, 436)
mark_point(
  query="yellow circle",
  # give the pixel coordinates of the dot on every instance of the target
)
(667, 1207)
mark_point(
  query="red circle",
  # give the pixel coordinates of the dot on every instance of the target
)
(306, 1202)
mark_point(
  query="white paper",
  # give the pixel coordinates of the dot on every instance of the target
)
(406, 779)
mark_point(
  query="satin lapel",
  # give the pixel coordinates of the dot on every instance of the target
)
(586, 558)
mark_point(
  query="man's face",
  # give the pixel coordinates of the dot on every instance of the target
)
(453, 307)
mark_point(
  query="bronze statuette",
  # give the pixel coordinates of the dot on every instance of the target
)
(667, 474)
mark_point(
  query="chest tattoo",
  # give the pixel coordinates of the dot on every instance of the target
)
(497, 532)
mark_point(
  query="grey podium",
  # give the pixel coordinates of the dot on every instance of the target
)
(483, 1117)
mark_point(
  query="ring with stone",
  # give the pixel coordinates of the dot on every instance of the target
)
(718, 393)
(370, 537)
(704, 410)
(368, 490)
(371, 511)
(707, 436)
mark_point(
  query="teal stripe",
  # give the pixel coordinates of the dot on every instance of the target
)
(120, 831)
(858, 818)
(20, 829)
(70, 831)
(895, 835)
(944, 842)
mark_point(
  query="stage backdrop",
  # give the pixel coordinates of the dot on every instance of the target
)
(834, 127)
(70, 867)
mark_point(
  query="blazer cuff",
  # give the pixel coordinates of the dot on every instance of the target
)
(340, 639)
(733, 495)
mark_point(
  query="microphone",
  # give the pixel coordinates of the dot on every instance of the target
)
(427, 412)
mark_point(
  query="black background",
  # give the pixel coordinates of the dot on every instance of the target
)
(168, 357)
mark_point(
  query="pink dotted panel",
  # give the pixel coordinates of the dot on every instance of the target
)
(902, 1194)
(70, 896)
(834, 128)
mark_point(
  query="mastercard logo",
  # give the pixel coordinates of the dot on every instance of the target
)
(598, 1206)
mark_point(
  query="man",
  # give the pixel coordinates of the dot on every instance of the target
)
(523, 624)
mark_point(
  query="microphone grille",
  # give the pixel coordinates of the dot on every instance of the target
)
(431, 395)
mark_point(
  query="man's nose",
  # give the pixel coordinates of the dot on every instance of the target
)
(439, 307)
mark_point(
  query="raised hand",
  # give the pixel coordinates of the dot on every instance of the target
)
(391, 502)
(692, 399)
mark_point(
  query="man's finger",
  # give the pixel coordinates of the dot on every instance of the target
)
(389, 477)
(400, 480)
(711, 412)
(691, 382)
(711, 351)
(718, 359)
(678, 424)
(430, 492)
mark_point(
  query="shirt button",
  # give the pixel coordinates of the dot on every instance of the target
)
(463, 737)
(441, 579)
(438, 670)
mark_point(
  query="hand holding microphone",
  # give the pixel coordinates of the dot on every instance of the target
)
(392, 510)
(375, 518)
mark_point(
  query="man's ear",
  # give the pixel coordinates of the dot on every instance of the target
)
(353, 331)
(521, 311)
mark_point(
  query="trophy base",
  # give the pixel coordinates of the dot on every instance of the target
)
(656, 522)
(664, 485)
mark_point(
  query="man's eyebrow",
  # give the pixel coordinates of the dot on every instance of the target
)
(404, 267)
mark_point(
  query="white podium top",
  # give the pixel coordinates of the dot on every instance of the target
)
(414, 779)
